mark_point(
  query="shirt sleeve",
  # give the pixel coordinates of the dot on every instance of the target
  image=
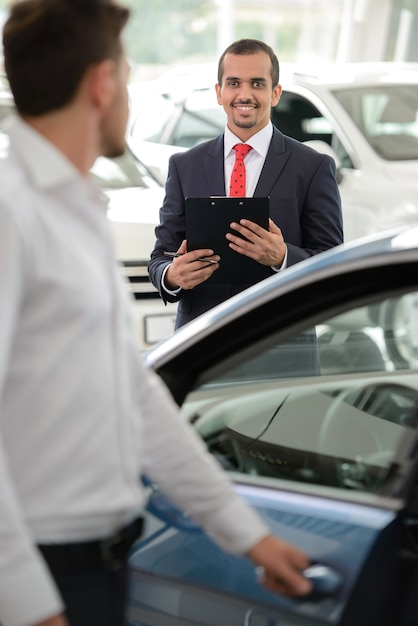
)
(173, 292)
(283, 265)
(27, 591)
(177, 459)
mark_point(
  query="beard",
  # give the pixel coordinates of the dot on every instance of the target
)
(114, 151)
(112, 135)
(245, 124)
(113, 148)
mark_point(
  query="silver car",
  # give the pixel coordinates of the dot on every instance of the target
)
(305, 389)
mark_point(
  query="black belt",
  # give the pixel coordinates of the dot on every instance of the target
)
(90, 556)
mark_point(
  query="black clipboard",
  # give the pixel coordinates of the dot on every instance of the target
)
(207, 222)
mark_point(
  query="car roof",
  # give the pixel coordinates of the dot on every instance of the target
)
(178, 82)
(355, 74)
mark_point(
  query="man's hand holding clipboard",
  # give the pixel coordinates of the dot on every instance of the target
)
(236, 229)
(264, 246)
(190, 269)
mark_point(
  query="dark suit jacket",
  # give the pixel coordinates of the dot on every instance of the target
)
(304, 202)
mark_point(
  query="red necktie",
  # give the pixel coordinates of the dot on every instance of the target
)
(237, 185)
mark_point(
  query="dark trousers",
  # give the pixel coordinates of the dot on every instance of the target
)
(92, 576)
(94, 598)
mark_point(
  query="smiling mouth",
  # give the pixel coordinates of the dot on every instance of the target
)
(245, 108)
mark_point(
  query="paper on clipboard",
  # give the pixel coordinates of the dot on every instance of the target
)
(207, 222)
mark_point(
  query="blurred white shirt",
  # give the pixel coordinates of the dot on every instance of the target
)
(80, 417)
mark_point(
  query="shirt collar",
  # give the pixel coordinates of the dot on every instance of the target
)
(259, 142)
(46, 166)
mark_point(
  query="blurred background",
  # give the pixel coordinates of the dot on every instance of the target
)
(164, 33)
(161, 34)
(317, 31)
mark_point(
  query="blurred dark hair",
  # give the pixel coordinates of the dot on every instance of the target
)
(49, 44)
(250, 46)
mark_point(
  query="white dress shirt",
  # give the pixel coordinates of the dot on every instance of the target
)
(254, 160)
(80, 417)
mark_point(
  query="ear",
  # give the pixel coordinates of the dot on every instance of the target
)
(101, 84)
(218, 93)
(277, 92)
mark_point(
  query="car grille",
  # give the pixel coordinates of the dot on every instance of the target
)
(136, 272)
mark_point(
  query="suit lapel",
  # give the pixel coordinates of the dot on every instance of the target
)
(275, 161)
(213, 165)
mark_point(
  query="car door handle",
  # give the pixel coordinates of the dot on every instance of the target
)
(324, 579)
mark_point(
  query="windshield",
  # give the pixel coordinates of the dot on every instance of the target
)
(387, 115)
(202, 119)
(122, 172)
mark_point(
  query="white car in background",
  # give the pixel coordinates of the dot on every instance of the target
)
(365, 115)
(135, 198)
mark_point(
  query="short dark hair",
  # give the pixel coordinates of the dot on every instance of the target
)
(49, 44)
(250, 46)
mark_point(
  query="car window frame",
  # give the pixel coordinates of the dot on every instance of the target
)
(193, 367)
(320, 102)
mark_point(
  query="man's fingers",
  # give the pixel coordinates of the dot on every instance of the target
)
(273, 228)
(291, 583)
(280, 566)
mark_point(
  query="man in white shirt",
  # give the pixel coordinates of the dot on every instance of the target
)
(80, 417)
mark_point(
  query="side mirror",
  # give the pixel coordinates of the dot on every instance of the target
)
(325, 148)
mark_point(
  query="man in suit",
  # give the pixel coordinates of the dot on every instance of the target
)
(305, 205)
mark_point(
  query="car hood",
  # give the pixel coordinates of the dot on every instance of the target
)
(402, 171)
(133, 214)
(135, 204)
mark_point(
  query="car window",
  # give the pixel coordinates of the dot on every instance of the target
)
(122, 172)
(330, 405)
(299, 118)
(387, 116)
(201, 119)
(148, 115)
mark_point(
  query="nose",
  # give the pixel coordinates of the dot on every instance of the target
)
(246, 91)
